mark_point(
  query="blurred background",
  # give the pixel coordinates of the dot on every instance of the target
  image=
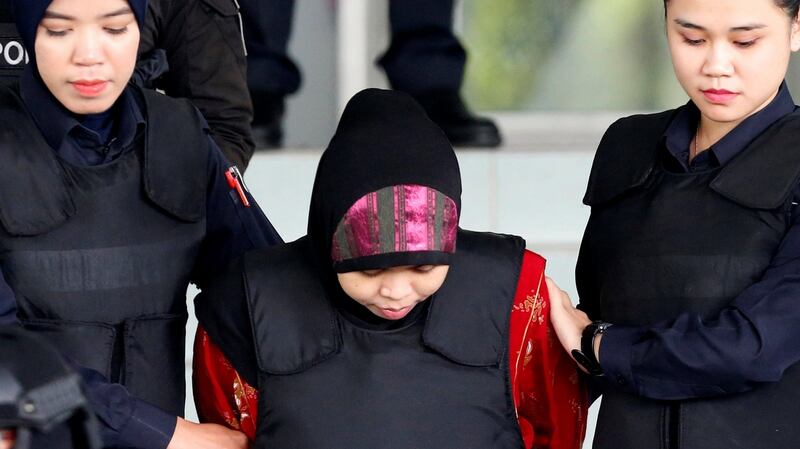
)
(553, 74)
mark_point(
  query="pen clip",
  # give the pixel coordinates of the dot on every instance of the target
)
(235, 182)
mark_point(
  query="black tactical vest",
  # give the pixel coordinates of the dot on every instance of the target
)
(99, 257)
(441, 382)
(664, 243)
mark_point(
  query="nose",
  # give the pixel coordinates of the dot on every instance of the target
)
(88, 48)
(719, 61)
(395, 287)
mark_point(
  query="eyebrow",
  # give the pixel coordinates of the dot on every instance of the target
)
(692, 26)
(55, 15)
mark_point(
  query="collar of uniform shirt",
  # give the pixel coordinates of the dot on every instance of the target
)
(56, 122)
(681, 130)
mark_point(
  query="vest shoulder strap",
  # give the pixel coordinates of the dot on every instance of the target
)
(176, 156)
(34, 192)
(296, 326)
(766, 172)
(469, 316)
(34, 196)
(626, 156)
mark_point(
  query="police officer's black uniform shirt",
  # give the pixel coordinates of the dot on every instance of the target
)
(231, 230)
(765, 314)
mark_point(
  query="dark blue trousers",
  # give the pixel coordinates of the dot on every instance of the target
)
(424, 54)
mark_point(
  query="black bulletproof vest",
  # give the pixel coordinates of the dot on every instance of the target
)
(99, 257)
(442, 382)
(664, 243)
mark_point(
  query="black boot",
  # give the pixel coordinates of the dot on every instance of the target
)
(268, 109)
(460, 125)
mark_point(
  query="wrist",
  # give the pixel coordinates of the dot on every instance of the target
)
(588, 355)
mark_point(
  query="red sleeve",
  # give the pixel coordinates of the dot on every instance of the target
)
(220, 394)
(549, 394)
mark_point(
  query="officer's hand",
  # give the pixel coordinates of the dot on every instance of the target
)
(568, 321)
(189, 435)
(7, 439)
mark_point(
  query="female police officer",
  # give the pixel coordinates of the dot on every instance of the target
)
(692, 250)
(112, 199)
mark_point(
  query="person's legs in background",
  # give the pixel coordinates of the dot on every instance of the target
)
(271, 74)
(426, 60)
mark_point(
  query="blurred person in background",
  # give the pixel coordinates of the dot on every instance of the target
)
(424, 59)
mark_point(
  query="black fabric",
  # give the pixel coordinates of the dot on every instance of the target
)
(19, 214)
(176, 156)
(329, 375)
(632, 159)
(106, 283)
(305, 345)
(41, 397)
(295, 319)
(193, 49)
(764, 179)
(688, 242)
(174, 166)
(384, 138)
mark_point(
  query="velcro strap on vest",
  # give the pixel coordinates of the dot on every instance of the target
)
(626, 156)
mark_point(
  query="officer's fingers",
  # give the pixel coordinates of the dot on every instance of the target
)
(7, 438)
(557, 296)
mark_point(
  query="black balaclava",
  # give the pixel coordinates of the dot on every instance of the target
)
(384, 138)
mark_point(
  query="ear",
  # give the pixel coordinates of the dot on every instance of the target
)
(795, 34)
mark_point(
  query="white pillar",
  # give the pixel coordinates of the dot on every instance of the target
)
(353, 49)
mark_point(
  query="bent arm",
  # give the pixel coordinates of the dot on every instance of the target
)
(752, 341)
(231, 227)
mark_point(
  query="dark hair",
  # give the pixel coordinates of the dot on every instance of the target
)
(790, 6)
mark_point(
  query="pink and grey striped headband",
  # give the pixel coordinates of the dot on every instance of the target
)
(397, 225)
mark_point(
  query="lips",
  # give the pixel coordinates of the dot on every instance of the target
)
(719, 96)
(395, 314)
(89, 88)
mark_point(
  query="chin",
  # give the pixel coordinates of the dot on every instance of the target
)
(724, 114)
(83, 107)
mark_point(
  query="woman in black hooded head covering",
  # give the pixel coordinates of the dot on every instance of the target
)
(113, 199)
(386, 325)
